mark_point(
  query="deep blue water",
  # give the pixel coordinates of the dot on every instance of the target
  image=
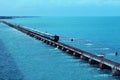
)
(35, 60)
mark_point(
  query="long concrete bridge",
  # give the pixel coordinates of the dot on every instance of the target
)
(91, 58)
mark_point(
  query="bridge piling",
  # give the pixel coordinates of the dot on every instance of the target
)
(91, 61)
(115, 72)
(84, 58)
(63, 49)
(77, 55)
(103, 66)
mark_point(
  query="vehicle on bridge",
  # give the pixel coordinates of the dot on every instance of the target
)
(43, 34)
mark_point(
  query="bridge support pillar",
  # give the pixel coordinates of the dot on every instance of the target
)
(115, 72)
(41, 39)
(91, 61)
(103, 66)
(69, 52)
(54, 45)
(60, 47)
(45, 41)
(84, 58)
(38, 38)
(50, 43)
(35, 37)
(74, 53)
(77, 55)
(32, 35)
(63, 49)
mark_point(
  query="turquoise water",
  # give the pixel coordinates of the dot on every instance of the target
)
(34, 60)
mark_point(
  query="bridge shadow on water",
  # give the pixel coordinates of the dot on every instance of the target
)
(8, 67)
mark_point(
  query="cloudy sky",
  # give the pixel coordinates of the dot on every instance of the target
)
(60, 7)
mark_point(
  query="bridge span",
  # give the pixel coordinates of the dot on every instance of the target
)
(91, 58)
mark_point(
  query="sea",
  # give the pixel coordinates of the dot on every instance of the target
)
(25, 58)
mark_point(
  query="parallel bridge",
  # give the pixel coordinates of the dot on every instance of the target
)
(91, 58)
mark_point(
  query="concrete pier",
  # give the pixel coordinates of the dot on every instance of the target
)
(115, 72)
(104, 66)
(91, 58)
(84, 58)
(91, 61)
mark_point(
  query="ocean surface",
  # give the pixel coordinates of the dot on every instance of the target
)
(24, 58)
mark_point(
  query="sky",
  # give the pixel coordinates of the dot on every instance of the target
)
(59, 7)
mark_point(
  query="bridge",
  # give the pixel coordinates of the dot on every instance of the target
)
(91, 58)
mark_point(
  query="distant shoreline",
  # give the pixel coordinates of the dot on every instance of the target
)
(12, 17)
(6, 17)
